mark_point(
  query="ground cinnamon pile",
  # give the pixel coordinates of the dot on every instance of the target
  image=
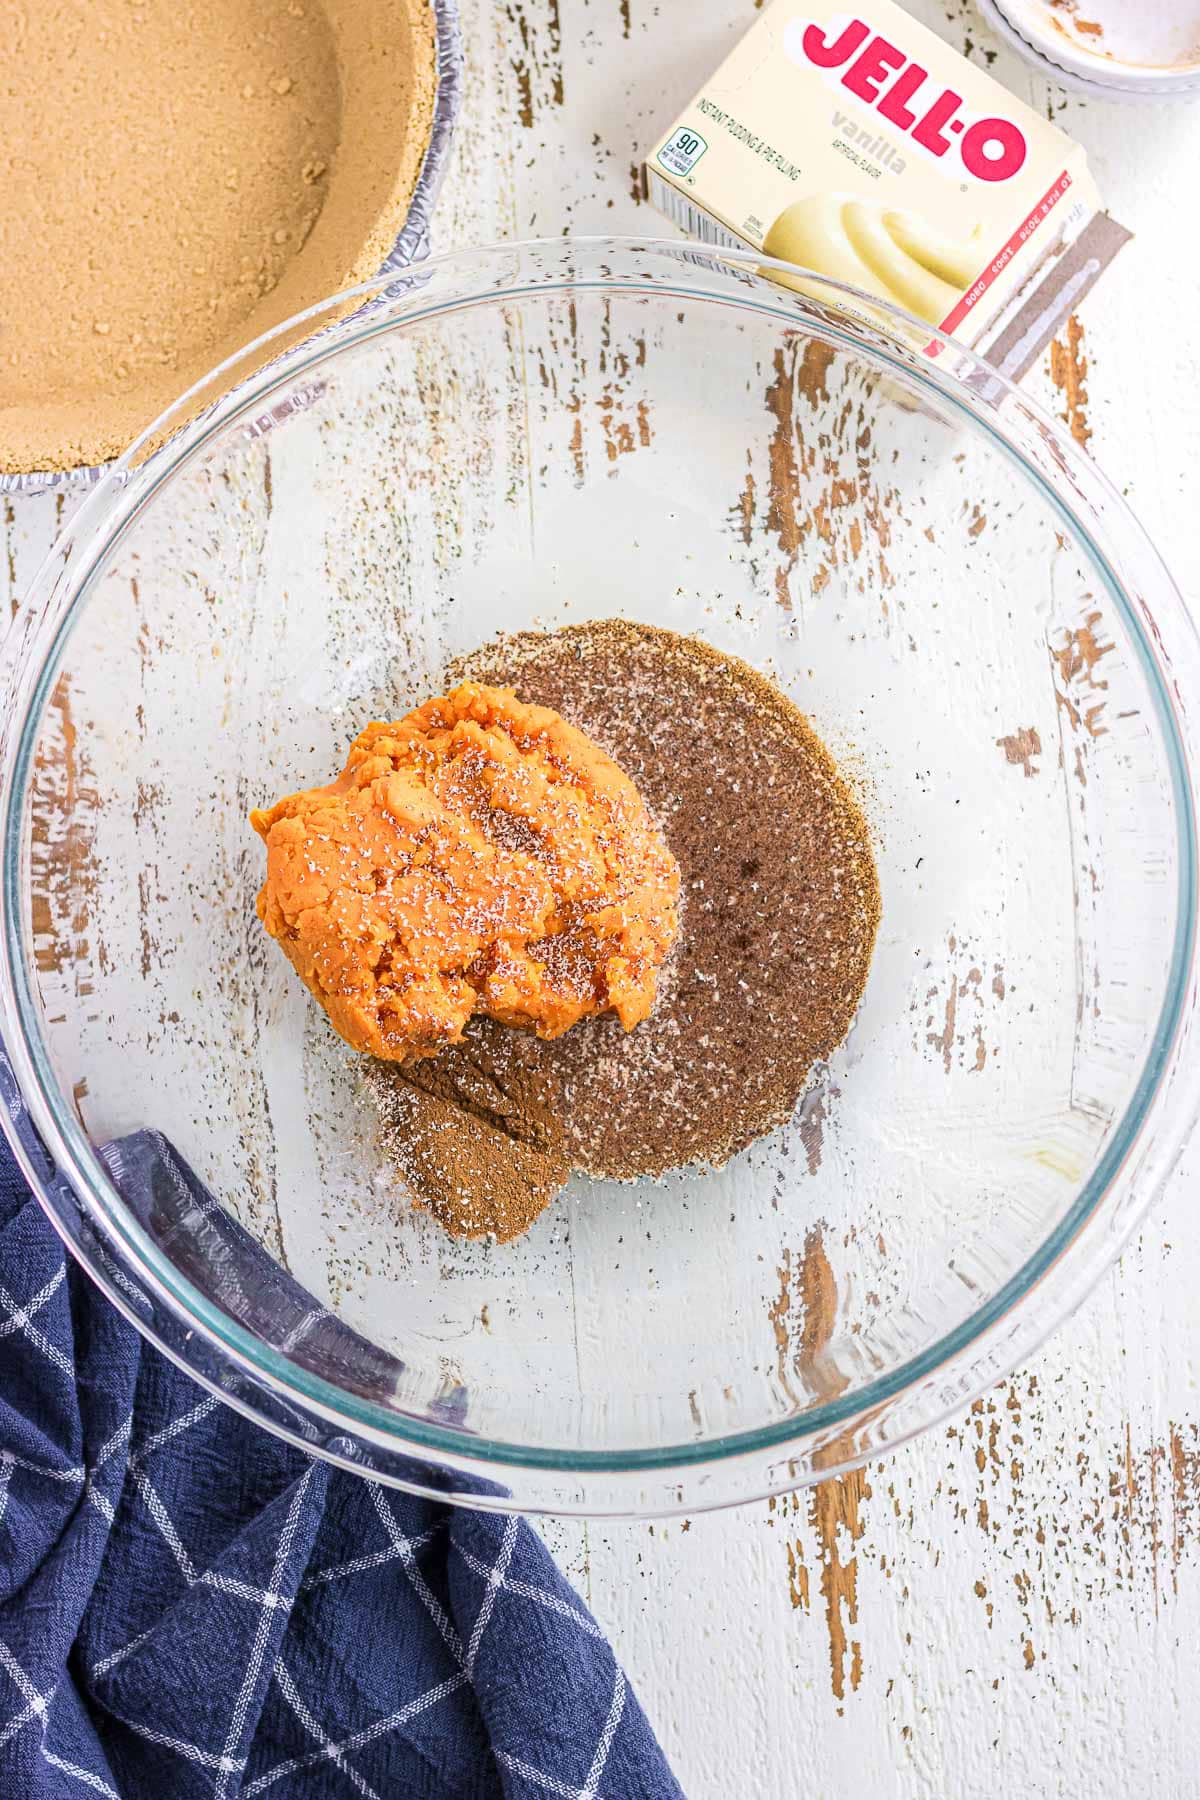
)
(779, 909)
(473, 1132)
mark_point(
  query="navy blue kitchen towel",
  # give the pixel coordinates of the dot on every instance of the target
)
(190, 1606)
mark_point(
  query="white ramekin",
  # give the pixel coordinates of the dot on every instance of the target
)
(1112, 49)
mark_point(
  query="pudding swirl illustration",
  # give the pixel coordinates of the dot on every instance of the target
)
(894, 254)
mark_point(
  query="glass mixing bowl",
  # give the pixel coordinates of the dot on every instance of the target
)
(525, 436)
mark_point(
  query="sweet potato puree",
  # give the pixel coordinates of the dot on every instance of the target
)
(478, 855)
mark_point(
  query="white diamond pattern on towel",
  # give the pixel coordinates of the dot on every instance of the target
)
(375, 1560)
(134, 1513)
(23, 1462)
(223, 1765)
(541, 1596)
(495, 1581)
(85, 1775)
(119, 1437)
(10, 1461)
(360, 1739)
(291, 1694)
(37, 1706)
(400, 1548)
(100, 1501)
(404, 1550)
(104, 1663)
(590, 1790)
(184, 1422)
(549, 1784)
(163, 1520)
(20, 1318)
(154, 1505)
(224, 1584)
(258, 1650)
(259, 1597)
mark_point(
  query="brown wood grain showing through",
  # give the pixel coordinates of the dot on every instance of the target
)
(535, 57)
(1020, 747)
(804, 1319)
(820, 485)
(1069, 373)
(63, 871)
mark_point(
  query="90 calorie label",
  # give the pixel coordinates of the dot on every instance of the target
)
(682, 150)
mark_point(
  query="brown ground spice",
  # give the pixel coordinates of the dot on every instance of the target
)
(780, 907)
(473, 1132)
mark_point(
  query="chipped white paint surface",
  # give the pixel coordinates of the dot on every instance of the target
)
(1013, 1604)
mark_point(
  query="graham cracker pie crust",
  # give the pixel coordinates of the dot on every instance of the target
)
(179, 176)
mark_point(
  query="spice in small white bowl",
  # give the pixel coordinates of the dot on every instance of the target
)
(1114, 49)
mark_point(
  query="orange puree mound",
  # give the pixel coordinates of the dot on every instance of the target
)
(478, 855)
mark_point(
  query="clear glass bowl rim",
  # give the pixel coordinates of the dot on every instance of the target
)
(29, 662)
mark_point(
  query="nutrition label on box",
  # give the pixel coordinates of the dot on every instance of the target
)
(682, 151)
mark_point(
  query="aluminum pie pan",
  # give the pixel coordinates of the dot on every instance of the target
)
(410, 247)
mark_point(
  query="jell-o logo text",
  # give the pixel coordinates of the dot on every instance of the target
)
(882, 74)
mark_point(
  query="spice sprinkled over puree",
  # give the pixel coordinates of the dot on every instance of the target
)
(779, 897)
(780, 905)
(616, 953)
(478, 855)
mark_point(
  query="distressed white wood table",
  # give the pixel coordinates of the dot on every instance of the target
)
(1011, 1604)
